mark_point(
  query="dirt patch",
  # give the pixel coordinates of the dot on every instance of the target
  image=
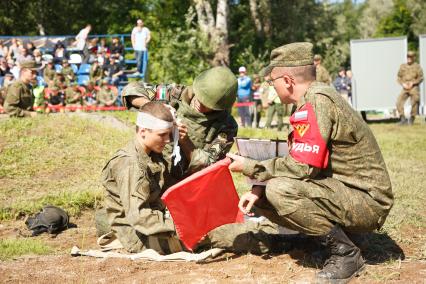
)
(294, 267)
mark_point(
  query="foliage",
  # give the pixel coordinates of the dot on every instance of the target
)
(398, 23)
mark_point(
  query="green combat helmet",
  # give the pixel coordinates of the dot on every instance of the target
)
(216, 88)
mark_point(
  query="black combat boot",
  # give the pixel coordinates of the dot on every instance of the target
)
(403, 121)
(345, 261)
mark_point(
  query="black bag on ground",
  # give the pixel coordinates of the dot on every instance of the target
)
(51, 219)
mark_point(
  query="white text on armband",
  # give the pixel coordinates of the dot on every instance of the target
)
(303, 147)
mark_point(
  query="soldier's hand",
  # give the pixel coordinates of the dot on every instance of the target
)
(237, 164)
(247, 201)
(183, 130)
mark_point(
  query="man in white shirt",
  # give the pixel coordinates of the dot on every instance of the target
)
(81, 39)
(140, 39)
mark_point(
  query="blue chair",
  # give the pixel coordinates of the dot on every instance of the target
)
(82, 80)
(40, 81)
(74, 68)
(84, 69)
(58, 67)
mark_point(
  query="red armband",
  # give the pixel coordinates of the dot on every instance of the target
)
(307, 144)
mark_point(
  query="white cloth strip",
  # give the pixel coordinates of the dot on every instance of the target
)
(145, 120)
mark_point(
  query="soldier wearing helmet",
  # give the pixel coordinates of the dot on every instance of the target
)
(203, 108)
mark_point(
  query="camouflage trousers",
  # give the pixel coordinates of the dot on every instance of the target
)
(247, 237)
(414, 95)
(313, 207)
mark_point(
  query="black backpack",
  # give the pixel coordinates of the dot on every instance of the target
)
(51, 219)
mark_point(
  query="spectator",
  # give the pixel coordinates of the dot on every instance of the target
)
(96, 73)
(49, 73)
(140, 39)
(243, 96)
(19, 99)
(24, 56)
(103, 47)
(349, 76)
(67, 72)
(81, 42)
(4, 51)
(113, 72)
(106, 96)
(59, 52)
(55, 99)
(256, 94)
(14, 68)
(275, 106)
(30, 48)
(90, 96)
(341, 83)
(4, 69)
(73, 97)
(14, 49)
(322, 73)
(117, 49)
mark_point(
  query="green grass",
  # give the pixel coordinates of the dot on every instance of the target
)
(58, 159)
(53, 160)
(12, 248)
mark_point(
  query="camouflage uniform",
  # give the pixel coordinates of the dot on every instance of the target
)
(68, 74)
(96, 75)
(73, 98)
(19, 99)
(323, 75)
(409, 73)
(134, 183)
(105, 95)
(353, 191)
(211, 133)
(49, 75)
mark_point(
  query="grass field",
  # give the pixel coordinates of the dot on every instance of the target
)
(58, 159)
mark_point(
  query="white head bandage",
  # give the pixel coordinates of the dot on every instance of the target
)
(145, 120)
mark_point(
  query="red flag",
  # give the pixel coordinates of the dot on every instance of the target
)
(202, 202)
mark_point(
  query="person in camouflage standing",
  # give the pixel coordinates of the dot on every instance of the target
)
(19, 98)
(203, 107)
(410, 75)
(274, 106)
(322, 73)
(334, 180)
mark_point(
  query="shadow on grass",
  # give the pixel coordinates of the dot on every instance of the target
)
(376, 248)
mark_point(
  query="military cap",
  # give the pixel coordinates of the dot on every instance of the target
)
(64, 61)
(317, 57)
(49, 60)
(105, 81)
(216, 88)
(411, 54)
(54, 88)
(290, 55)
(29, 64)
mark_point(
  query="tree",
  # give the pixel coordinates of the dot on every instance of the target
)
(215, 28)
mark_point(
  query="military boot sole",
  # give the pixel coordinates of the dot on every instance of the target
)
(340, 281)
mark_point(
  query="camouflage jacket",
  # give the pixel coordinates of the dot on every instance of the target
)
(19, 99)
(95, 74)
(410, 73)
(134, 183)
(354, 155)
(323, 75)
(212, 133)
(72, 96)
(48, 74)
(68, 74)
(105, 95)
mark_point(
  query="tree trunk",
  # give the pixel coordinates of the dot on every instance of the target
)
(215, 30)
